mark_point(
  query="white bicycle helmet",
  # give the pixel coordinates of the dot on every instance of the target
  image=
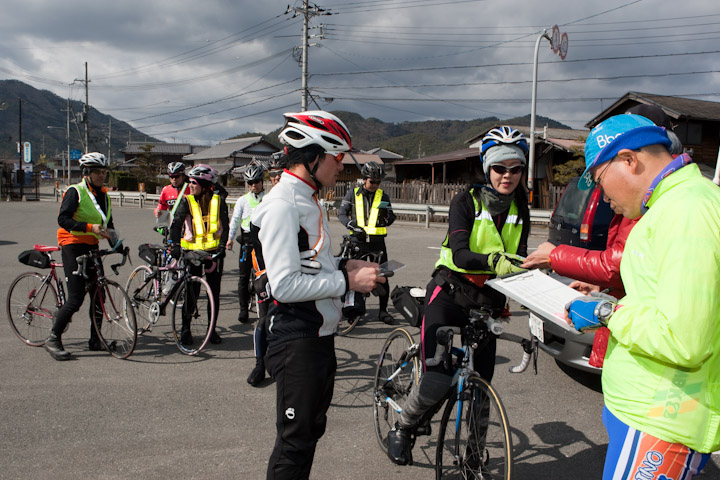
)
(175, 168)
(315, 127)
(203, 172)
(93, 160)
(253, 173)
(373, 170)
(504, 135)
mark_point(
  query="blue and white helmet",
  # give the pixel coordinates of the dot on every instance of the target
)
(503, 136)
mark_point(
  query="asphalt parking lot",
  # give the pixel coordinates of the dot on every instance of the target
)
(162, 415)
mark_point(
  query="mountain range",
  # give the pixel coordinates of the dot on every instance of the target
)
(42, 116)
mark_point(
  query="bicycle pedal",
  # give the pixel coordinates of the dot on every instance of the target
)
(424, 430)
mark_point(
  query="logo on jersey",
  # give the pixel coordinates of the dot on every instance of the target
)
(290, 413)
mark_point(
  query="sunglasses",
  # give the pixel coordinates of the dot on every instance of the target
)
(253, 182)
(275, 174)
(375, 182)
(338, 156)
(501, 169)
(194, 182)
(175, 176)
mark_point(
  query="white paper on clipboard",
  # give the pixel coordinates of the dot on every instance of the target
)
(540, 293)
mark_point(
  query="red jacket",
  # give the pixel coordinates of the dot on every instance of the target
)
(600, 267)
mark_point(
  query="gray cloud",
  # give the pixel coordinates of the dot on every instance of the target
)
(205, 71)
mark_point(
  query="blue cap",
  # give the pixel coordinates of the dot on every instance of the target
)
(615, 134)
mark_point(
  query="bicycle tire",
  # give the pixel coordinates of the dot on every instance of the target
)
(114, 319)
(200, 326)
(385, 391)
(30, 307)
(347, 325)
(462, 452)
(143, 297)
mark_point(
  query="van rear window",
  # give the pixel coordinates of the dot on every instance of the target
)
(572, 204)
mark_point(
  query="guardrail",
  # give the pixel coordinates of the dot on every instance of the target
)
(426, 211)
(429, 211)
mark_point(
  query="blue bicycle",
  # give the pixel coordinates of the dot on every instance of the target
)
(474, 438)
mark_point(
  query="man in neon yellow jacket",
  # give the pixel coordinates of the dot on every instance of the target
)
(661, 378)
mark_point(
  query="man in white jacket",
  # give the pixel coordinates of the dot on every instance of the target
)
(291, 239)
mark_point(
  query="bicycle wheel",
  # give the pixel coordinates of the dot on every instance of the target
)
(397, 372)
(114, 319)
(346, 325)
(140, 287)
(193, 315)
(474, 439)
(30, 307)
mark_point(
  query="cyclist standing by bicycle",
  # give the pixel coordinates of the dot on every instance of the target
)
(367, 212)
(170, 193)
(292, 243)
(201, 220)
(84, 218)
(240, 222)
(488, 227)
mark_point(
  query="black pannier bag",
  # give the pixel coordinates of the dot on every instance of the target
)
(35, 259)
(149, 253)
(410, 306)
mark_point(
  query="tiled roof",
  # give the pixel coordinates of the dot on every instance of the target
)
(225, 149)
(134, 148)
(674, 107)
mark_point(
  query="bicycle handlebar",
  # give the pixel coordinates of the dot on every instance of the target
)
(83, 259)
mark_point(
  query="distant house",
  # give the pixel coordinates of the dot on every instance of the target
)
(552, 146)
(351, 172)
(696, 122)
(388, 159)
(163, 152)
(230, 154)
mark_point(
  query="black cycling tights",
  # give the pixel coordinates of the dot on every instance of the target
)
(76, 285)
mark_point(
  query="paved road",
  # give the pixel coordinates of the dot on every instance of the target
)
(162, 415)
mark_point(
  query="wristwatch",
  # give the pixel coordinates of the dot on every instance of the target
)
(603, 311)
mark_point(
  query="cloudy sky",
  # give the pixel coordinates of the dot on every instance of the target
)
(202, 71)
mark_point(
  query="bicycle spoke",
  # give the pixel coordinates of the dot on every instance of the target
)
(114, 319)
(30, 308)
(193, 316)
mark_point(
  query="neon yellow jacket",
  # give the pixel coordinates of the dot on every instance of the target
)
(662, 369)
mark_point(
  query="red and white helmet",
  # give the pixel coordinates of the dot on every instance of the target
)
(315, 127)
(203, 172)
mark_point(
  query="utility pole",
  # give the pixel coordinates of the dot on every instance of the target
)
(307, 12)
(67, 134)
(86, 108)
(109, 139)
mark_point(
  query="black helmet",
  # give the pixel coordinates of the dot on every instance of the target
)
(175, 168)
(278, 161)
(373, 170)
(253, 173)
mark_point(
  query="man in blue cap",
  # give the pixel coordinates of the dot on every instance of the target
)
(661, 377)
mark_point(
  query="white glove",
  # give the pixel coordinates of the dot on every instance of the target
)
(307, 263)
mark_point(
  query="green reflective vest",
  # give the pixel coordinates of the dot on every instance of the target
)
(202, 239)
(88, 209)
(250, 197)
(371, 228)
(484, 236)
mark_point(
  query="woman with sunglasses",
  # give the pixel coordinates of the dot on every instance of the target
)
(201, 223)
(240, 226)
(170, 193)
(488, 228)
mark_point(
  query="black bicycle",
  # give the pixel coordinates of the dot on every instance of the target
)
(354, 303)
(474, 438)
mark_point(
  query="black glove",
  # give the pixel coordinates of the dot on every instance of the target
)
(221, 254)
(175, 251)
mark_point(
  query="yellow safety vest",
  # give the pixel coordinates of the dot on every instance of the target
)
(371, 228)
(484, 237)
(202, 239)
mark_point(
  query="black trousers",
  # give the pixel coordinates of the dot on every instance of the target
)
(245, 266)
(213, 279)
(377, 245)
(304, 371)
(76, 288)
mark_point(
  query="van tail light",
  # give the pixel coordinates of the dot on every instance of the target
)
(590, 210)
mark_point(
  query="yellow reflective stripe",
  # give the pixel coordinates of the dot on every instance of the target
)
(203, 240)
(371, 228)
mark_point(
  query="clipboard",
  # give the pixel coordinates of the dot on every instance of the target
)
(543, 295)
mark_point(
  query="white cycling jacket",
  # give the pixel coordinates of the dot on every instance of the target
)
(290, 220)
